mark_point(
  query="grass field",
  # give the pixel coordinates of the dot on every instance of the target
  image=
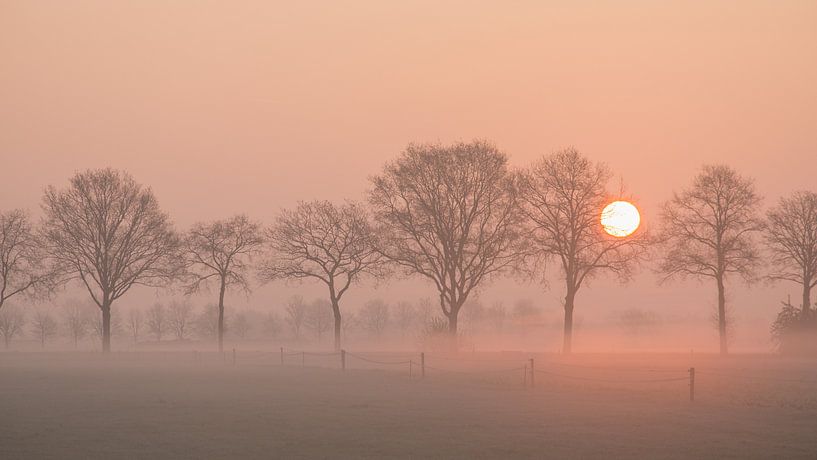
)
(176, 405)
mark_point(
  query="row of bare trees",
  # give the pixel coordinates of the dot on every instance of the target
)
(455, 215)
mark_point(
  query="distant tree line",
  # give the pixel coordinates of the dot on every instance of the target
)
(456, 215)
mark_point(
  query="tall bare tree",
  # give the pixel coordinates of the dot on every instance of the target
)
(374, 316)
(791, 237)
(43, 325)
(319, 240)
(296, 314)
(318, 317)
(562, 196)
(221, 252)
(21, 258)
(179, 318)
(76, 320)
(135, 322)
(708, 231)
(157, 320)
(449, 214)
(108, 232)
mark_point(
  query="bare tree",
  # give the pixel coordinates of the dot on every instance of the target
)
(271, 325)
(107, 231)
(12, 320)
(318, 240)
(791, 237)
(209, 323)
(449, 214)
(179, 317)
(708, 232)
(295, 314)
(374, 316)
(496, 315)
(221, 251)
(563, 195)
(157, 320)
(241, 325)
(318, 317)
(21, 267)
(404, 316)
(77, 320)
(43, 325)
(135, 322)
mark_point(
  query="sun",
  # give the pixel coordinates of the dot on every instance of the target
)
(620, 218)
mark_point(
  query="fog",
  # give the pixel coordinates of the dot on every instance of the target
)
(250, 108)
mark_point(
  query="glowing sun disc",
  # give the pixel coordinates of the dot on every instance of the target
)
(620, 218)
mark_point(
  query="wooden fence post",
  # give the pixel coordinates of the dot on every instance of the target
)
(692, 384)
(422, 364)
(343, 360)
(411, 365)
(233, 356)
(282, 356)
(532, 375)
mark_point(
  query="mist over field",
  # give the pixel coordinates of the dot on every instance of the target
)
(408, 230)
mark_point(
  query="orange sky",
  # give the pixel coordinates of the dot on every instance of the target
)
(227, 107)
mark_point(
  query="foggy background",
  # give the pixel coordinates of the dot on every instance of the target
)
(226, 108)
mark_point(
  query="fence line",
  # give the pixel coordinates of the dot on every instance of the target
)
(592, 379)
(528, 367)
(378, 362)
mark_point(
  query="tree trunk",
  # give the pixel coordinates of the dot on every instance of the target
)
(106, 327)
(722, 317)
(221, 315)
(336, 311)
(806, 307)
(452, 324)
(570, 297)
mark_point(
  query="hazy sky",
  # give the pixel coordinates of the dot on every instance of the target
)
(226, 107)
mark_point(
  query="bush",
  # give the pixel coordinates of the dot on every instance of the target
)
(795, 333)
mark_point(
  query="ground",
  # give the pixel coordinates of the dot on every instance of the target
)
(201, 405)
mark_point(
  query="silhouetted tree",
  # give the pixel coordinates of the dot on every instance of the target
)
(496, 315)
(318, 317)
(562, 196)
(179, 317)
(449, 214)
(43, 325)
(374, 316)
(77, 320)
(135, 322)
(791, 236)
(157, 320)
(321, 241)
(12, 320)
(107, 231)
(271, 326)
(208, 323)
(295, 314)
(708, 232)
(404, 316)
(221, 251)
(21, 256)
(241, 325)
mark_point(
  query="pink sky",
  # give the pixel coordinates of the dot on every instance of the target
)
(226, 107)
